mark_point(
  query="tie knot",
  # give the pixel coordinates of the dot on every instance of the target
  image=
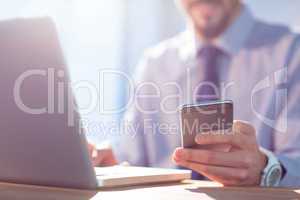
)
(210, 51)
(208, 88)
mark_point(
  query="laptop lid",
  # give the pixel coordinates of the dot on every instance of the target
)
(40, 138)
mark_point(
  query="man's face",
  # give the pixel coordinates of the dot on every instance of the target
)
(210, 16)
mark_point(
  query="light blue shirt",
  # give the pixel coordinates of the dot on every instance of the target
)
(261, 74)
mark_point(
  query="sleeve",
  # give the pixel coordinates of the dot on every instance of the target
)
(287, 140)
(129, 145)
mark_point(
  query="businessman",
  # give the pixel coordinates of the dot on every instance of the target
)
(225, 53)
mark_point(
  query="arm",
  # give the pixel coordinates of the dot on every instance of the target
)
(287, 143)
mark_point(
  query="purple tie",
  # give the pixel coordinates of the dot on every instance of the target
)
(209, 87)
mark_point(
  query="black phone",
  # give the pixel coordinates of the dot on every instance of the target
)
(204, 117)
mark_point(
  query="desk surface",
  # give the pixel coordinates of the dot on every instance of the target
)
(188, 190)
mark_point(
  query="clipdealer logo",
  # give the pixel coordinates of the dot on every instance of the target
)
(277, 80)
(61, 93)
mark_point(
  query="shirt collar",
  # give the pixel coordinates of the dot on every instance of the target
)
(231, 41)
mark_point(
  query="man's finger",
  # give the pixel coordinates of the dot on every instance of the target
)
(233, 159)
(107, 157)
(241, 136)
(225, 175)
(243, 127)
(235, 139)
(97, 158)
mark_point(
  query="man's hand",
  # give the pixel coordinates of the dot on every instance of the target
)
(101, 157)
(241, 166)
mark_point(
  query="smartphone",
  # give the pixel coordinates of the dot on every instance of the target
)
(203, 118)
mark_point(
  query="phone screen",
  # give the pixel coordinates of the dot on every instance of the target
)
(203, 118)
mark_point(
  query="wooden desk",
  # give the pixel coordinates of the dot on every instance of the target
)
(188, 190)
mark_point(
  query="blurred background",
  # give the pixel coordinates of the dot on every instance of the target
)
(98, 34)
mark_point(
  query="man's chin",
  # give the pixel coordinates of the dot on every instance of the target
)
(212, 29)
(209, 32)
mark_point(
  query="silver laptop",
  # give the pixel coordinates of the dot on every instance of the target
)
(41, 142)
